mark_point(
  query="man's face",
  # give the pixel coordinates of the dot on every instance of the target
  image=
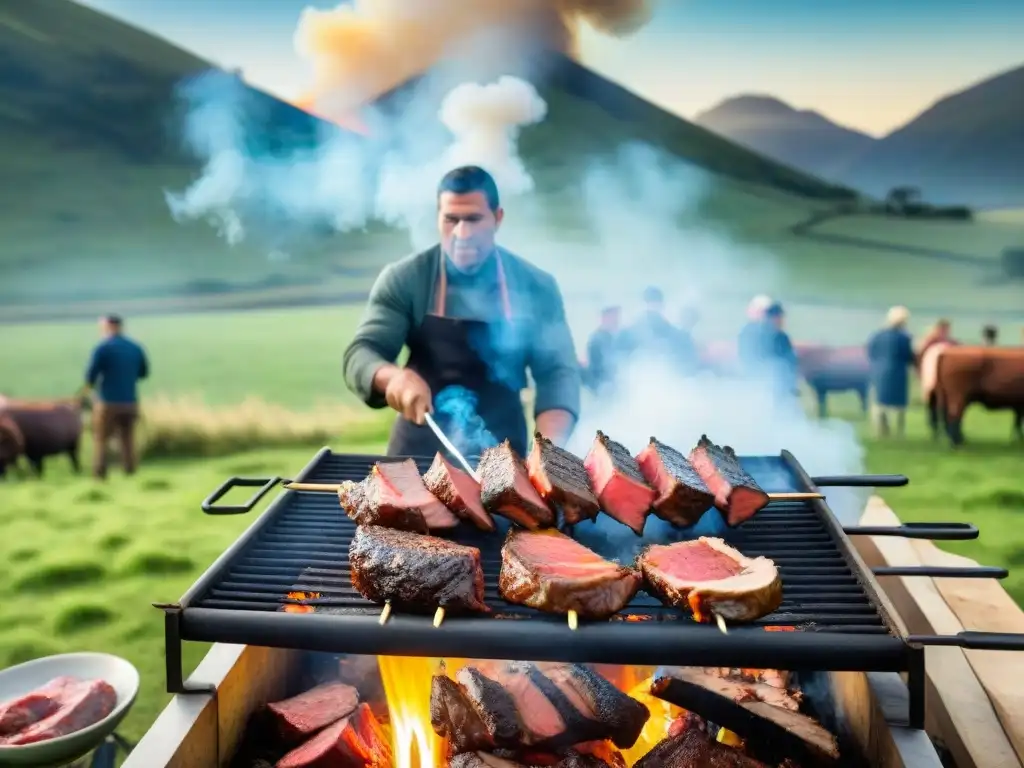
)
(467, 226)
(778, 320)
(612, 319)
(105, 327)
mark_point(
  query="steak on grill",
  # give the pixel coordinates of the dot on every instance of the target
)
(709, 577)
(355, 741)
(562, 480)
(23, 711)
(506, 490)
(549, 571)
(737, 496)
(620, 487)
(458, 491)
(538, 707)
(682, 495)
(301, 716)
(397, 498)
(693, 748)
(414, 570)
(734, 706)
(80, 704)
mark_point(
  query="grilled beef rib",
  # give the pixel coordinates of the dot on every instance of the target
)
(737, 496)
(620, 487)
(536, 707)
(549, 571)
(561, 479)
(414, 570)
(397, 498)
(682, 495)
(458, 491)
(506, 490)
(301, 716)
(709, 577)
(693, 748)
(355, 741)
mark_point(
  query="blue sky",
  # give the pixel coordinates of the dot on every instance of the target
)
(869, 64)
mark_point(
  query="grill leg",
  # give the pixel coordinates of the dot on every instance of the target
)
(172, 654)
(916, 684)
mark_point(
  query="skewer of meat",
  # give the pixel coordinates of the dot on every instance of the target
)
(561, 479)
(391, 566)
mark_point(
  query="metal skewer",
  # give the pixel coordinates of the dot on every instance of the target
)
(334, 487)
(438, 617)
(385, 614)
(573, 619)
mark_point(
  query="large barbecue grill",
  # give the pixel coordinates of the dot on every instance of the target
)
(299, 547)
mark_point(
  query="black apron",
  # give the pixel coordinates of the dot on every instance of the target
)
(450, 352)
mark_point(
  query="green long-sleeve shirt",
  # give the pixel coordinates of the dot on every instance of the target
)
(404, 294)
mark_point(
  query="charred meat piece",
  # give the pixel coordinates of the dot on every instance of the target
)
(356, 741)
(737, 496)
(80, 704)
(352, 497)
(682, 495)
(453, 717)
(18, 714)
(536, 707)
(573, 759)
(620, 487)
(414, 570)
(551, 572)
(562, 480)
(767, 685)
(694, 749)
(731, 705)
(397, 498)
(506, 490)
(709, 577)
(457, 491)
(301, 716)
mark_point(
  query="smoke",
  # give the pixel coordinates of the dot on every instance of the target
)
(456, 411)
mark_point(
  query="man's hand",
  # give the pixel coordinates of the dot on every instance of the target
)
(409, 394)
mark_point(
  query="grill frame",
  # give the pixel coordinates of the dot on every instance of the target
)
(543, 638)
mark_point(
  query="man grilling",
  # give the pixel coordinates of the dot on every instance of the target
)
(475, 318)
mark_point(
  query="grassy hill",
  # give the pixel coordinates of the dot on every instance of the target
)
(89, 128)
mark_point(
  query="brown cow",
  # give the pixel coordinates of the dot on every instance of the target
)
(834, 369)
(12, 443)
(47, 427)
(991, 376)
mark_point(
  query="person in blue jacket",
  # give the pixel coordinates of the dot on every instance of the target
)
(766, 352)
(891, 355)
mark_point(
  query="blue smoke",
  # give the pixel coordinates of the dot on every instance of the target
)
(456, 411)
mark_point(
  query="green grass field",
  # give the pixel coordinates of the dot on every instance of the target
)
(83, 561)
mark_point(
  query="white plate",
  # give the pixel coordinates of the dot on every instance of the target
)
(25, 678)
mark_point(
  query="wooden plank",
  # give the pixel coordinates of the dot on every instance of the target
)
(983, 605)
(960, 714)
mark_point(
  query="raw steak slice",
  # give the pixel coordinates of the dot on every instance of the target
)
(18, 714)
(80, 705)
(414, 570)
(551, 572)
(710, 577)
(734, 706)
(397, 498)
(356, 741)
(682, 495)
(737, 496)
(458, 491)
(524, 706)
(562, 480)
(506, 490)
(621, 489)
(301, 716)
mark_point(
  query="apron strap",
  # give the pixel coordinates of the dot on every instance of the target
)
(441, 299)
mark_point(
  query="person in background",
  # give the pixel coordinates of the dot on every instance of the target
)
(653, 336)
(689, 350)
(475, 317)
(989, 335)
(940, 333)
(748, 345)
(115, 368)
(891, 355)
(604, 351)
(779, 350)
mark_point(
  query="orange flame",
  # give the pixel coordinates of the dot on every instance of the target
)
(293, 608)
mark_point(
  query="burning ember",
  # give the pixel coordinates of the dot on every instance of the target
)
(301, 607)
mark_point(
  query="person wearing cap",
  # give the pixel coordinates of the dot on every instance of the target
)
(604, 352)
(476, 320)
(749, 343)
(115, 368)
(653, 336)
(891, 355)
(989, 335)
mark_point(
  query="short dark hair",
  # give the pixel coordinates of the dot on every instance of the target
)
(774, 310)
(990, 332)
(653, 295)
(114, 320)
(468, 179)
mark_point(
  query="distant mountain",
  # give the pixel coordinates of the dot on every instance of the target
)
(803, 139)
(968, 147)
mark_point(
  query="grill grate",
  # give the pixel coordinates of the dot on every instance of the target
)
(302, 546)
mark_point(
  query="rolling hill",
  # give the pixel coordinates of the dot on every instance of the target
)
(966, 148)
(802, 139)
